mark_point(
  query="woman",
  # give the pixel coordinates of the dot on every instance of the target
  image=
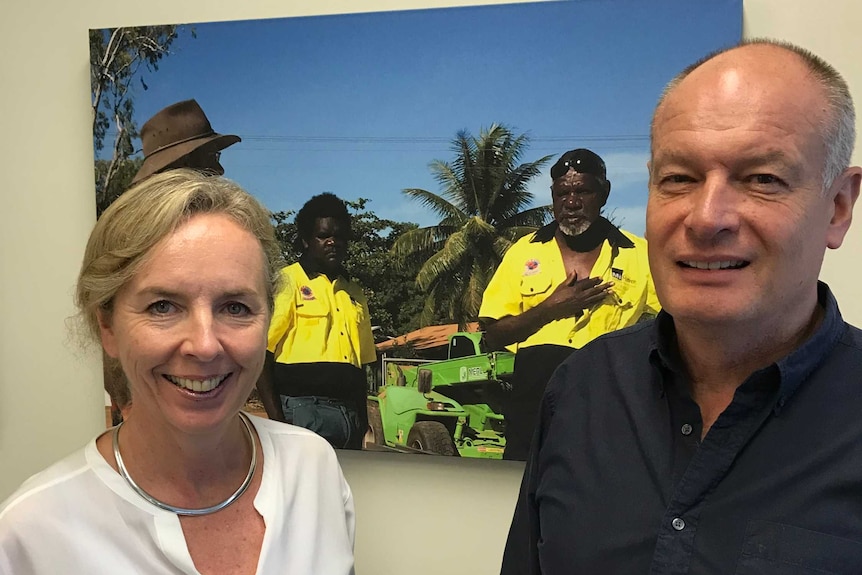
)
(177, 284)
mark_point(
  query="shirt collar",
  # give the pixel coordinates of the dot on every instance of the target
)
(793, 369)
(614, 236)
(312, 269)
(800, 363)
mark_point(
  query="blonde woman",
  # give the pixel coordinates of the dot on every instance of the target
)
(177, 285)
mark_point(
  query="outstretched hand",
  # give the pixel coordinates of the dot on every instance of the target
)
(573, 296)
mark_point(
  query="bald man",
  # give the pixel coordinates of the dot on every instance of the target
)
(725, 436)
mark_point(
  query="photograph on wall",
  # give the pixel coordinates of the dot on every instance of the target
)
(434, 177)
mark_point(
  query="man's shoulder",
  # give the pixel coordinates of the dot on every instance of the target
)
(292, 274)
(529, 244)
(292, 269)
(527, 240)
(635, 339)
(622, 352)
(852, 337)
(640, 243)
(354, 289)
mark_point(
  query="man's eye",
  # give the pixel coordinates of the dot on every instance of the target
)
(765, 179)
(161, 307)
(676, 179)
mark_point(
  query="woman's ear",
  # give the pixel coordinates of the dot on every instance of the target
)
(106, 333)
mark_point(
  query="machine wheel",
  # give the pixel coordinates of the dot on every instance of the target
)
(374, 433)
(431, 436)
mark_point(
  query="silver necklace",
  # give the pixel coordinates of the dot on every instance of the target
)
(183, 510)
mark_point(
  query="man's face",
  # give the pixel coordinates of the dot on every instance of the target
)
(578, 200)
(327, 245)
(737, 220)
(201, 160)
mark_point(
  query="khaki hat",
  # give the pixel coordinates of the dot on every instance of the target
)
(177, 131)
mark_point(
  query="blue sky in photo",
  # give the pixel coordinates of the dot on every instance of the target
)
(360, 104)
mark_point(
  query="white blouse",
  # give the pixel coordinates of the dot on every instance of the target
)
(80, 516)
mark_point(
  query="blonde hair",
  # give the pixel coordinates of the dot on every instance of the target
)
(148, 212)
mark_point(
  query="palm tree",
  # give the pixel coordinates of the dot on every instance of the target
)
(482, 209)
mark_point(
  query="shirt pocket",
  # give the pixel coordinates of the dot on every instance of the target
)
(777, 549)
(311, 310)
(534, 290)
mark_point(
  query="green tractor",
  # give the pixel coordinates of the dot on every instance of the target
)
(446, 407)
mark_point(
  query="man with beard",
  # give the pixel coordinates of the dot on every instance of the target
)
(320, 333)
(555, 290)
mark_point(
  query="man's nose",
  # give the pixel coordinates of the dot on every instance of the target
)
(714, 208)
(574, 200)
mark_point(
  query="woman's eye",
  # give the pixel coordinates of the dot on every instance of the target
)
(161, 307)
(235, 308)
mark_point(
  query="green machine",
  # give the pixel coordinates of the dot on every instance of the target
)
(446, 407)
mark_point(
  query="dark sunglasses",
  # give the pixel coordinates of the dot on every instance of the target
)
(580, 165)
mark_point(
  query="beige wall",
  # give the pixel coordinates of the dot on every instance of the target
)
(413, 516)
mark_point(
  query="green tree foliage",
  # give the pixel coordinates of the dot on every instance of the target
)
(116, 58)
(483, 209)
(394, 300)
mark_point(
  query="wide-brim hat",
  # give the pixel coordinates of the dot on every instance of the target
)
(174, 132)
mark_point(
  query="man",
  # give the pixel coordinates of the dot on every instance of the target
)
(557, 289)
(178, 136)
(724, 437)
(320, 334)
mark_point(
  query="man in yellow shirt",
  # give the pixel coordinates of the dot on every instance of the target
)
(320, 333)
(570, 282)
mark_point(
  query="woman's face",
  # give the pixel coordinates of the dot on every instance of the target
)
(190, 328)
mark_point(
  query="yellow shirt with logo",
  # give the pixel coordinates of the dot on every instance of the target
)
(532, 269)
(318, 320)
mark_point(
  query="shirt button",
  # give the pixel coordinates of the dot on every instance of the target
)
(678, 524)
(686, 429)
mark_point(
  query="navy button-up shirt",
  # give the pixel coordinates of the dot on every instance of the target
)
(619, 481)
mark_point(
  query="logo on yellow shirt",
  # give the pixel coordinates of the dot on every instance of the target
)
(531, 267)
(306, 292)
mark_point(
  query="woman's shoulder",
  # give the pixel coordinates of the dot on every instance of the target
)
(291, 437)
(47, 487)
(299, 457)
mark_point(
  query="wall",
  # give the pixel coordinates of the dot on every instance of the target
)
(413, 516)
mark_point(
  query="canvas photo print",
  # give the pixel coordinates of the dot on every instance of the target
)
(434, 177)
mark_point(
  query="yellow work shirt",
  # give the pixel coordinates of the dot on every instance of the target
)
(533, 268)
(318, 320)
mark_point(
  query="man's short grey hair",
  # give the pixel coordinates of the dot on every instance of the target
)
(839, 130)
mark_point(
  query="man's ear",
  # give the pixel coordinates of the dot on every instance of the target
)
(106, 333)
(607, 192)
(844, 192)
